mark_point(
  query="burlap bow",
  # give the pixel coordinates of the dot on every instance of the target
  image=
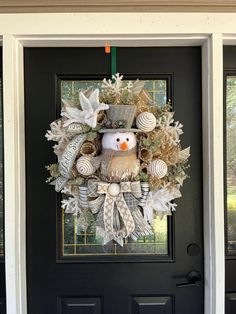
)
(114, 199)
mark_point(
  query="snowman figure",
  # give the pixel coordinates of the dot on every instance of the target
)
(118, 161)
(117, 166)
(119, 157)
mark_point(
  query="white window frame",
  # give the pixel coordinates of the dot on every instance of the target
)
(208, 30)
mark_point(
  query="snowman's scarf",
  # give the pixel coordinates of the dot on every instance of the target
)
(109, 153)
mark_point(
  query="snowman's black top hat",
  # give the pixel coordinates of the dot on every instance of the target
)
(120, 118)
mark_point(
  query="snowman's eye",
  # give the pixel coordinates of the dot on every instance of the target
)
(127, 139)
(117, 139)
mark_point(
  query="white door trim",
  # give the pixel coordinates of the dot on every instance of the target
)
(213, 213)
(14, 169)
(212, 86)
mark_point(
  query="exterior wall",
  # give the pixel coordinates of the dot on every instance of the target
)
(208, 30)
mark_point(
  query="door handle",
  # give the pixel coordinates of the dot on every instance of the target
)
(193, 280)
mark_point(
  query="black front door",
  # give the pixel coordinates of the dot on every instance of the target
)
(70, 273)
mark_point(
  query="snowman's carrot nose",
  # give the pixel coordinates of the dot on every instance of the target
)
(124, 146)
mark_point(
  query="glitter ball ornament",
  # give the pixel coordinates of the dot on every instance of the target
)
(84, 166)
(146, 122)
(157, 168)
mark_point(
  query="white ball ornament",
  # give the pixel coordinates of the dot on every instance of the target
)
(157, 168)
(84, 166)
(146, 121)
(114, 189)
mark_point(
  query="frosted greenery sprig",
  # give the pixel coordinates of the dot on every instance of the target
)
(54, 172)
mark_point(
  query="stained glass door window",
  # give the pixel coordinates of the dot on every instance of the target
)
(77, 243)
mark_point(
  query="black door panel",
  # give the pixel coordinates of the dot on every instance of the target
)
(79, 305)
(107, 286)
(149, 305)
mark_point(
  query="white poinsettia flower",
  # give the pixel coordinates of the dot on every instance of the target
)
(90, 109)
(159, 201)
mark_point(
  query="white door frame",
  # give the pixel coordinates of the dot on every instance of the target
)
(91, 29)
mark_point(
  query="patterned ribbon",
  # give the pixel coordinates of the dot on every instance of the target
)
(67, 161)
(69, 155)
(109, 204)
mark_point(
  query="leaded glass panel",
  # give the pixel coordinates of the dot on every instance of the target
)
(76, 243)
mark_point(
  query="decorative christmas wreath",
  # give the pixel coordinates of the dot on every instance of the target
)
(120, 162)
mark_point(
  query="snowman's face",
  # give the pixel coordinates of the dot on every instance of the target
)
(119, 141)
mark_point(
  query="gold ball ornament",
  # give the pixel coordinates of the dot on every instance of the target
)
(84, 166)
(146, 121)
(157, 168)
